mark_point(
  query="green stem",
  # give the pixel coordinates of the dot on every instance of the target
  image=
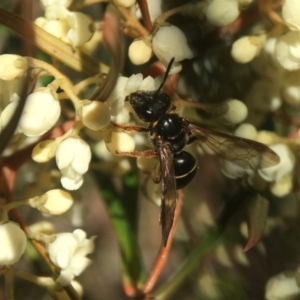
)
(122, 211)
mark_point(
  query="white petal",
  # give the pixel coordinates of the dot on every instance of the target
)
(65, 277)
(133, 83)
(72, 184)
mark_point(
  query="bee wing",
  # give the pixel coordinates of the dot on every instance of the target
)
(168, 188)
(245, 153)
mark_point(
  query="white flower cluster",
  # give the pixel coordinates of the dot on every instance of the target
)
(168, 41)
(278, 178)
(275, 57)
(13, 238)
(42, 108)
(75, 28)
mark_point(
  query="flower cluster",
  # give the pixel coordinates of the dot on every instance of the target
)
(69, 135)
(74, 28)
(64, 249)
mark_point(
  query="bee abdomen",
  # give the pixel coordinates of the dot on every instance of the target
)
(185, 168)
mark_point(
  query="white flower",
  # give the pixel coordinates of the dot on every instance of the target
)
(95, 115)
(126, 86)
(13, 243)
(68, 251)
(168, 42)
(73, 156)
(285, 166)
(222, 12)
(12, 66)
(287, 50)
(41, 112)
(282, 287)
(54, 202)
(291, 14)
(139, 52)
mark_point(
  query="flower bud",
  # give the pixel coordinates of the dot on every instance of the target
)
(12, 66)
(237, 111)
(246, 48)
(95, 115)
(41, 112)
(147, 164)
(139, 52)
(44, 151)
(13, 243)
(168, 42)
(54, 202)
(222, 12)
(247, 131)
(267, 137)
(120, 142)
(82, 29)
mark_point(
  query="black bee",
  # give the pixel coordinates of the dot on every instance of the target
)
(170, 133)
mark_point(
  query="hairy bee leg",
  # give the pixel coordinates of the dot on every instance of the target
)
(145, 154)
(130, 127)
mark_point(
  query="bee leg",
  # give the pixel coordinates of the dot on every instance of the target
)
(130, 127)
(146, 154)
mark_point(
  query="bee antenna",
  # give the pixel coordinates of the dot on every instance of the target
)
(166, 75)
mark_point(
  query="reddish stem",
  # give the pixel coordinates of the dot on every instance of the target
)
(163, 254)
(145, 14)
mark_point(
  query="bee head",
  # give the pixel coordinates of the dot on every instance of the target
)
(149, 105)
